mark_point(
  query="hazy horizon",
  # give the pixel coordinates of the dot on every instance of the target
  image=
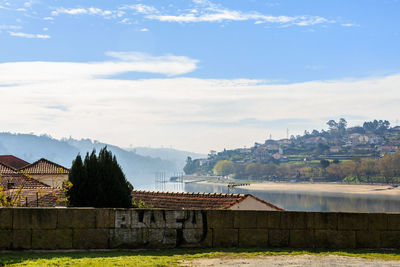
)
(195, 75)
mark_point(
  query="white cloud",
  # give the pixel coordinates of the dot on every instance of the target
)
(140, 8)
(210, 12)
(126, 21)
(83, 11)
(204, 11)
(71, 11)
(229, 15)
(350, 25)
(37, 72)
(191, 113)
(144, 30)
(10, 27)
(48, 18)
(30, 35)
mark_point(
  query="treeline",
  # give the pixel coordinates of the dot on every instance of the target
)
(383, 170)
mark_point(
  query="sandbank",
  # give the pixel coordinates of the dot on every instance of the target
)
(362, 189)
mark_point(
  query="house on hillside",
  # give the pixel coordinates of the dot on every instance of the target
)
(243, 150)
(357, 139)
(47, 172)
(374, 139)
(271, 145)
(334, 149)
(284, 142)
(202, 201)
(280, 157)
(388, 149)
(315, 140)
(261, 154)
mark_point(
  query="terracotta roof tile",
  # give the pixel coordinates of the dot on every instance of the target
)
(5, 169)
(49, 199)
(15, 181)
(205, 201)
(13, 162)
(44, 166)
(39, 197)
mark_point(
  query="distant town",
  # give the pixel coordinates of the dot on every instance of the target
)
(366, 153)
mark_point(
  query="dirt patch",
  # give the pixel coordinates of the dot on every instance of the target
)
(300, 260)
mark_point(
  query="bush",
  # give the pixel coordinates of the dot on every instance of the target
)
(98, 182)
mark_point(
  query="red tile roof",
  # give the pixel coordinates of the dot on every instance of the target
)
(44, 166)
(38, 197)
(53, 198)
(5, 169)
(15, 181)
(13, 162)
(205, 201)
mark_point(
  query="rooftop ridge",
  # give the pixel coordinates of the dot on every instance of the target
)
(32, 165)
(8, 167)
(221, 195)
(193, 200)
(13, 161)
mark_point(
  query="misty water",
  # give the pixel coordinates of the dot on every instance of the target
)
(294, 201)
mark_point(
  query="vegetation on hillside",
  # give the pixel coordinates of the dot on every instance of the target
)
(367, 154)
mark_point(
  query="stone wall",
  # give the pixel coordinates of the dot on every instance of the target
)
(86, 228)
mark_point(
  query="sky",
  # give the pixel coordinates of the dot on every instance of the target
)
(196, 75)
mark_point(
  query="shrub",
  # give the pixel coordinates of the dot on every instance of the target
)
(98, 181)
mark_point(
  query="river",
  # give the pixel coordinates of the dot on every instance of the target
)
(295, 201)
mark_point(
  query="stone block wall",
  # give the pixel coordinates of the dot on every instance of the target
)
(88, 228)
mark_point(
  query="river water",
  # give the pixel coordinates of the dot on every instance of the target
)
(295, 201)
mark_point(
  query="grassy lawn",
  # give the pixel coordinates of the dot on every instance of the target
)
(166, 257)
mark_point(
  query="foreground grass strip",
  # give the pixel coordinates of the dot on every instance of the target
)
(168, 257)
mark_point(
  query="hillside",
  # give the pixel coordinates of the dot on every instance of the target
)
(178, 157)
(367, 153)
(138, 168)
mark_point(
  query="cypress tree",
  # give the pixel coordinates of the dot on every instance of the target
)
(99, 182)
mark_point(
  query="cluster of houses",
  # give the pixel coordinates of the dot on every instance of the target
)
(32, 184)
(38, 184)
(278, 150)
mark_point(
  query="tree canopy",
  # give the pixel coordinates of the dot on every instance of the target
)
(224, 167)
(98, 181)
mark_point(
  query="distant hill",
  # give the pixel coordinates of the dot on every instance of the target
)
(178, 157)
(138, 167)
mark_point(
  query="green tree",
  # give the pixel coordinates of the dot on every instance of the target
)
(321, 149)
(386, 168)
(342, 126)
(368, 169)
(98, 182)
(224, 167)
(254, 170)
(333, 125)
(324, 163)
(190, 166)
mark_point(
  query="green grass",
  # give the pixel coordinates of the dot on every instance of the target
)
(167, 257)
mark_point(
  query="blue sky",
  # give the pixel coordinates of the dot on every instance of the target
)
(196, 75)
